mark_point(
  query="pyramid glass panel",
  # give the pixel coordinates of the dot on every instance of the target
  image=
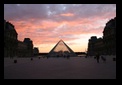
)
(61, 50)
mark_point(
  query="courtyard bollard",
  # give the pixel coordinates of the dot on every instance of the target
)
(15, 61)
(114, 59)
(31, 59)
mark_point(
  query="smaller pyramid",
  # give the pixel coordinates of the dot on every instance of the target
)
(61, 49)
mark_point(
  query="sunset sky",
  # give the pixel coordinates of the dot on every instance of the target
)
(46, 24)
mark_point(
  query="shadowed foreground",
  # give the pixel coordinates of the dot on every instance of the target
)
(60, 68)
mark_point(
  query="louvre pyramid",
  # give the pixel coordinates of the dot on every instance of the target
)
(61, 50)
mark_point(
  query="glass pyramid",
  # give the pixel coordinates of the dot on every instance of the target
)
(61, 50)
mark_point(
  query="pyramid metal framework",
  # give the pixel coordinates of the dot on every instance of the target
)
(61, 49)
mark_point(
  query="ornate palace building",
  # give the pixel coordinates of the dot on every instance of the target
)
(25, 48)
(10, 40)
(29, 44)
(109, 37)
(91, 46)
(105, 45)
(36, 51)
(12, 46)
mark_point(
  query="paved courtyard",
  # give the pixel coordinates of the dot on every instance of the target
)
(59, 68)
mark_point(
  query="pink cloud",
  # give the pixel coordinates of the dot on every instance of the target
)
(67, 14)
(50, 32)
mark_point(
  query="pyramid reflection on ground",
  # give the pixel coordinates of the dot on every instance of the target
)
(61, 49)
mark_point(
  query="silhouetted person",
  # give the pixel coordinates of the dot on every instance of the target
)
(103, 59)
(98, 58)
(68, 56)
(57, 55)
(64, 56)
(86, 56)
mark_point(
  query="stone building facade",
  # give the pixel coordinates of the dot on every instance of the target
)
(22, 49)
(12, 46)
(91, 46)
(25, 48)
(29, 44)
(10, 40)
(105, 45)
(99, 46)
(36, 51)
(109, 37)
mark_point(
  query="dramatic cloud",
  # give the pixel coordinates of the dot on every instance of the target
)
(46, 24)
